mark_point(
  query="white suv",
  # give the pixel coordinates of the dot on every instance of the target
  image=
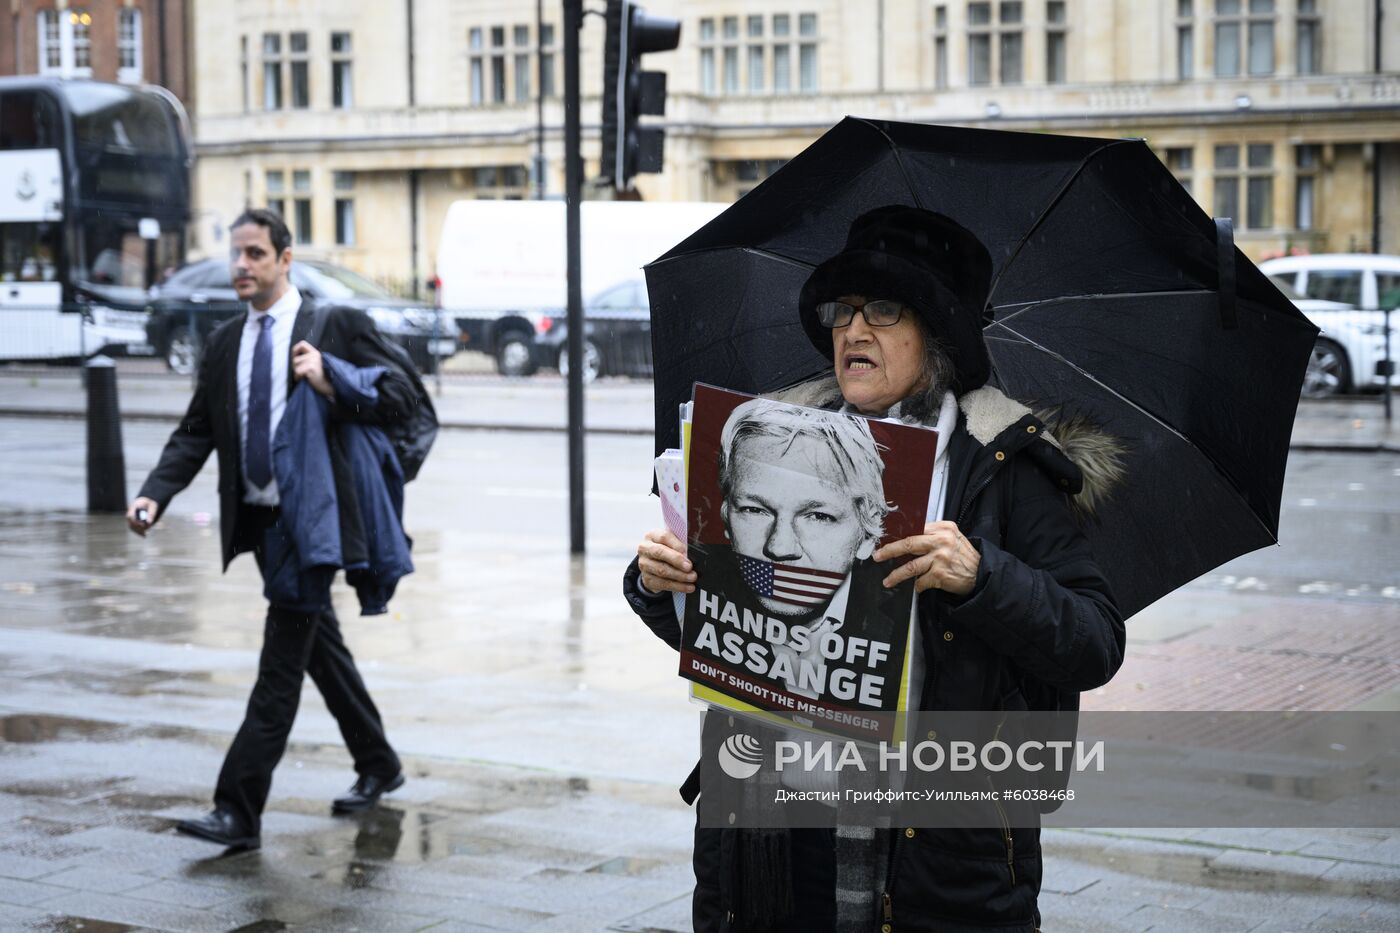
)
(1344, 294)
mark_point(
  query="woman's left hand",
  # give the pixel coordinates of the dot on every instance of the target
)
(942, 560)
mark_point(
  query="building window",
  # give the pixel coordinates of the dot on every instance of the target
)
(731, 55)
(272, 71)
(129, 45)
(342, 72)
(477, 66)
(301, 204)
(547, 55)
(276, 183)
(498, 64)
(1180, 161)
(1309, 38)
(1258, 175)
(521, 63)
(301, 78)
(782, 53)
(243, 68)
(807, 53)
(1255, 30)
(756, 55)
(1185, 39)
(1011, 50)
(65, 43)
(1307, 159)
(994, 46)
(940, 47)
(761, 60)
(1259, 187)
(1056, 43)
(496, 182)
(344, 208)
(1227, 182)
(736, 178)
(707, 57)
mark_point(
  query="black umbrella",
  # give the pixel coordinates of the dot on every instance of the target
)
(1113, 297)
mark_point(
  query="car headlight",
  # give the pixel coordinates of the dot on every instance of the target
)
(388, 319)
(425, 318)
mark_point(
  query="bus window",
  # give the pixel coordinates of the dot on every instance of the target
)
(27, 252)
(108, 118)
(28, 120)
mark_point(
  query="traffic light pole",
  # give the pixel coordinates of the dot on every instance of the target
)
(573, 193)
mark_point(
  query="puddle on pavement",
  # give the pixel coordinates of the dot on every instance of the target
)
(625, 866)
(67, 924)
(30, 728)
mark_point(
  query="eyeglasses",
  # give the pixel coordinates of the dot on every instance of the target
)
(880, 313)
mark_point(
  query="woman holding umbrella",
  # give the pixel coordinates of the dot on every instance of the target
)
(1013, 611)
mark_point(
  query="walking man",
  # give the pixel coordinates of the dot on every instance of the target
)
(248, 369)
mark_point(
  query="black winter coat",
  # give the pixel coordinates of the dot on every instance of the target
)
(1039, 627)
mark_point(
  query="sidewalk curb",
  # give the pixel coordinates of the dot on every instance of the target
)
(455, 425)
(1361, 447)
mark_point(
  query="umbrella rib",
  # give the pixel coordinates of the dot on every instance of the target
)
(1040, 302)
(1050, 205)
(1143, 411)
(899, 161)
(757, 251)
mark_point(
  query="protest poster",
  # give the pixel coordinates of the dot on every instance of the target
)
(790, 614)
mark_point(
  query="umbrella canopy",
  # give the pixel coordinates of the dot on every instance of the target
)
(1113, 297)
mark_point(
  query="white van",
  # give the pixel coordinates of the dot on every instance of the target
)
(1351, 348)
(501, 265)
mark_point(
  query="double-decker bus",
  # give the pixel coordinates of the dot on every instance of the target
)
(94, 202)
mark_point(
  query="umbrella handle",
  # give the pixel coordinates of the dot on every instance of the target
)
(1225, 268)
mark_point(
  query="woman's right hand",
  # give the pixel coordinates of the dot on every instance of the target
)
(661, 558)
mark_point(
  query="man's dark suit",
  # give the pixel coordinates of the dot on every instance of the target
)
(294, 643)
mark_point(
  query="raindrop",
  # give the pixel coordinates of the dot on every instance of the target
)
(1307, 503)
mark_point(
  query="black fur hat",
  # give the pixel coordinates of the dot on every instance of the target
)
(923, 259)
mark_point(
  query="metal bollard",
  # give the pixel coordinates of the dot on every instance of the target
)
(106, 467)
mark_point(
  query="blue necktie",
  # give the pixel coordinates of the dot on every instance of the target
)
(259, 450)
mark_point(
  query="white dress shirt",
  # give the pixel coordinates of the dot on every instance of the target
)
(284, 314)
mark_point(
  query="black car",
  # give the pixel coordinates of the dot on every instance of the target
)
(616, 338)
(190, 304)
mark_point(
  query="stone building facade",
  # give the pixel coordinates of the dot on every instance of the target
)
(364, 121)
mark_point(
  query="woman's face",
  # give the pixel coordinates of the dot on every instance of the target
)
(878, 366)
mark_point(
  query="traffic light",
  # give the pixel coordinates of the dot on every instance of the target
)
(628, 92)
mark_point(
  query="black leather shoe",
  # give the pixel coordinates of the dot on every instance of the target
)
(363, 794)
(222, 827)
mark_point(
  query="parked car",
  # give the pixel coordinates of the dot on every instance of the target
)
(202, 292)
(1345, 295)
(616, 338)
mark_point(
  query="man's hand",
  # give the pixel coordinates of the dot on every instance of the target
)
(661, 558)
(306, 364)
(943, 560)
(141, 515)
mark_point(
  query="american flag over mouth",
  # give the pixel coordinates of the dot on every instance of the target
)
(801, 586)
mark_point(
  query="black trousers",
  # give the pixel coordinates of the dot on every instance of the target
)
(295, 644)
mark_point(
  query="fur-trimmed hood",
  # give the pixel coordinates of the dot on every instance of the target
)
(988, 412)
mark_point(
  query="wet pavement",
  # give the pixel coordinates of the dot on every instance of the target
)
(544, 730)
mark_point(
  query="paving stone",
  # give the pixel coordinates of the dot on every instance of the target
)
(1171, 920)
(183, 893)
(28, 893)
(103, 881)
